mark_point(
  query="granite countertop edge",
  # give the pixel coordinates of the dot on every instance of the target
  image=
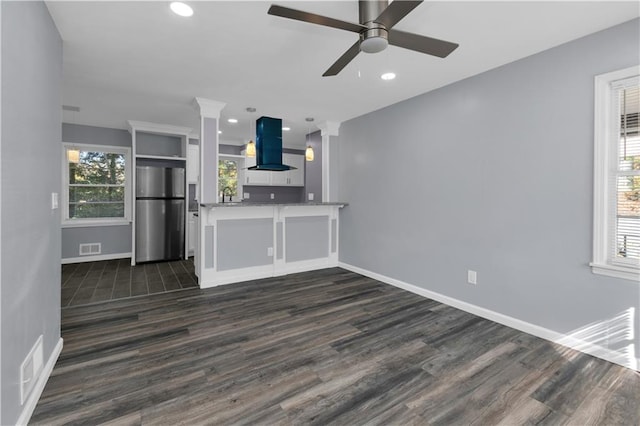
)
(249, 204)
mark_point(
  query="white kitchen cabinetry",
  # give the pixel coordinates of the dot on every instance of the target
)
(295, 177)
(193, 163)
(266, 178)
(255, 177)
(193, 232)
(160, 145)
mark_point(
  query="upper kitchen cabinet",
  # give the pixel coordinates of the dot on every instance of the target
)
(255, 177)
(296, 176)
(159, 141)
(193, 163)
(293, 177)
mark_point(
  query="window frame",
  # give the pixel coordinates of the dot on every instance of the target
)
(64, 198)
(606, 131)
(239, 159)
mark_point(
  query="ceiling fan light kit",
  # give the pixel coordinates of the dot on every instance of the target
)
(375, 33)
(374, 40)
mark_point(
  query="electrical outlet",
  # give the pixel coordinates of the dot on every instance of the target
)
(269, 251)
(310, 195)
(273, 196)
(472, 277)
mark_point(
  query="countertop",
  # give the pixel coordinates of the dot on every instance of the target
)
(250, 204)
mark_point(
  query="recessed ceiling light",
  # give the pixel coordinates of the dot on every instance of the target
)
(286, 129)
(181, 9)
(388, 76)
(232, 120)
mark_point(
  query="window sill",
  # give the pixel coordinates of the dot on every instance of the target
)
(88, 223)
(623, 272)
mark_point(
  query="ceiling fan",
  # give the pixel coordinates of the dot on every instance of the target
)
(377, 18)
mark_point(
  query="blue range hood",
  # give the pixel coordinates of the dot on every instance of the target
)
(269, 145)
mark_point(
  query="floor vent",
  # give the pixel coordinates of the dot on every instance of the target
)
(30, 370)
(89, 249)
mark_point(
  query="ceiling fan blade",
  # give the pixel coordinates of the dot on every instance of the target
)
(423, 44)
(343, 60)
(397, 10)
(299, 15)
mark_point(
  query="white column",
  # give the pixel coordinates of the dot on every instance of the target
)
(209, 118)
(330, 163)
(208, 181)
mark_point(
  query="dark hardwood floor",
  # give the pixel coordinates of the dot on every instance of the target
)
(324, 347)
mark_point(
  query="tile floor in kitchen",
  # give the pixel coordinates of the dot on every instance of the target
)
(91, 282)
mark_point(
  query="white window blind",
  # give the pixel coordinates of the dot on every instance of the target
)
(626, 174)
(617, 175)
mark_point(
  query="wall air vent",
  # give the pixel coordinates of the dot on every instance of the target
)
(90, 249)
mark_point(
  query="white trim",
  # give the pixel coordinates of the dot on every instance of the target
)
(30, 405)
(305, 265)
(96, 258)
(536, 330)
(89, 223)
(209, 108)
(327, 130)
(1, 145)
(605, 155)
(128, 182)
(616, 271)
(212, 278)
(160, 157)
(162, 129)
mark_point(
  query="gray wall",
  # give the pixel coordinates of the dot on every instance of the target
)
(494, 174)
(114, 239)
(77, 133)
(313, 170)
(30, 151)
(282, 194)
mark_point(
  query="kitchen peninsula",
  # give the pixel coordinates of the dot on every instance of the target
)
(244, 241)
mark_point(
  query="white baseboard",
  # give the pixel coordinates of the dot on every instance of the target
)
(536, 330)
(96, 258)
(32, 401)
(304, 266)
(211, 278)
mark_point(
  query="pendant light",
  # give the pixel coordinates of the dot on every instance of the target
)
(251, 146)
(73, 155)
(308, 153)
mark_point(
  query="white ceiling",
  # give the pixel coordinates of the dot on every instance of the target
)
(138, 61)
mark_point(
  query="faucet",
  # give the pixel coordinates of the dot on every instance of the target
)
(227, 190)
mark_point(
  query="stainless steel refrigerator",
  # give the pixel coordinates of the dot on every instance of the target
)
(160, 213)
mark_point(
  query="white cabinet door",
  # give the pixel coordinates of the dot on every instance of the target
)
(255, 177)
(193, 163)
(279, 178)
(193, 232)
(296, 176)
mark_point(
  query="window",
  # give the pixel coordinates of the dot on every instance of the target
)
(616, 250)
(228, 179)
(96, 182)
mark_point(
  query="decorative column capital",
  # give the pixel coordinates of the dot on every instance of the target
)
(329, 128)
(208, 107)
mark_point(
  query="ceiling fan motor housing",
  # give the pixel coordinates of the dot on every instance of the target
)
(375, 30)
(375, 39)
